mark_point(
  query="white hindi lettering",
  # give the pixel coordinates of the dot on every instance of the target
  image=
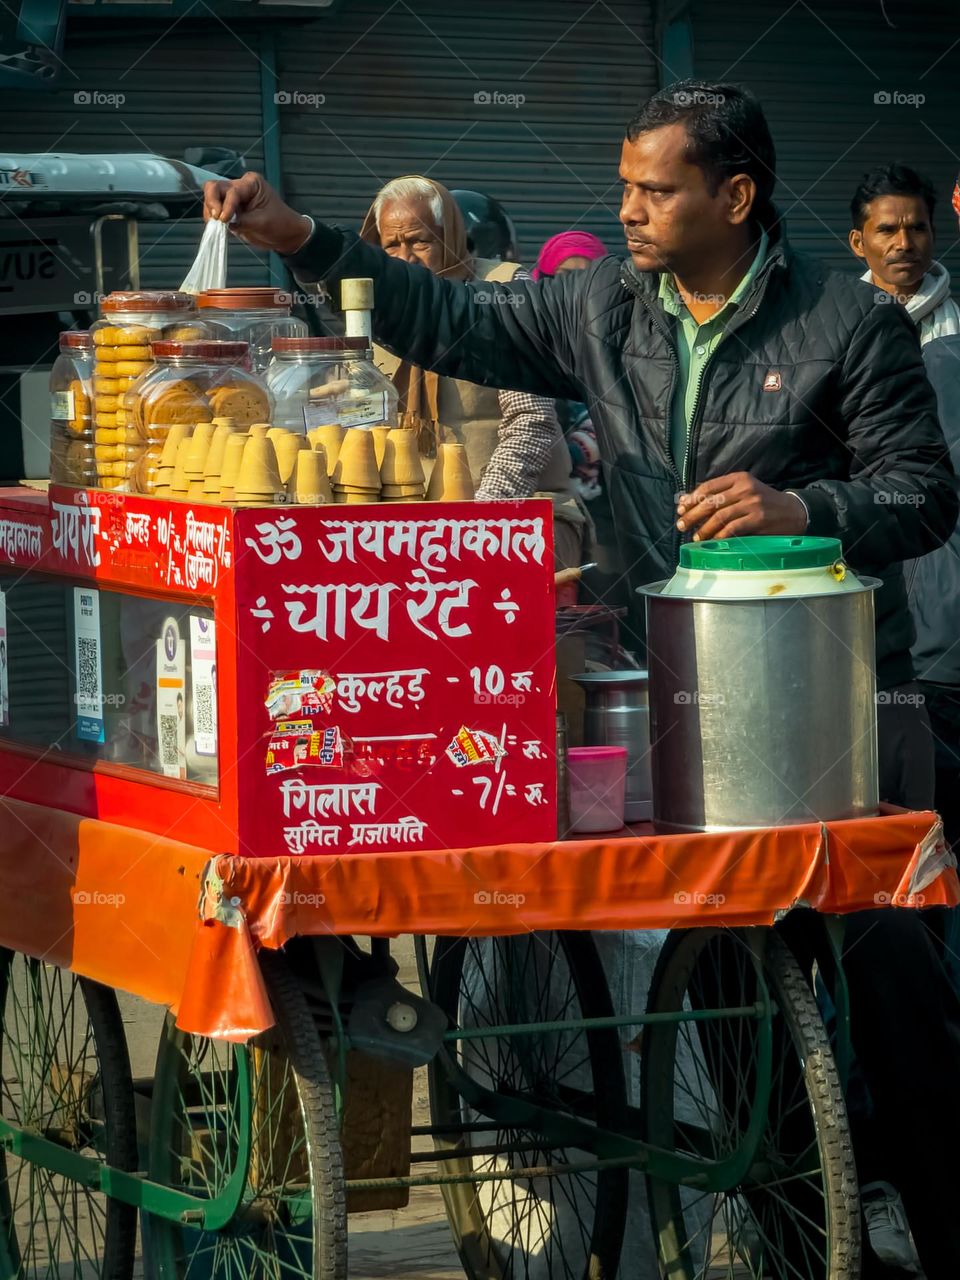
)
(375, 596)
(18, 540)
(310, 832)
(75, 530)
(202, 535)
(199, 568)
(459, 598)
(137, 528)
(431, 542)
(408, 830)
(322, 799)
(276, 539)
(398, 687)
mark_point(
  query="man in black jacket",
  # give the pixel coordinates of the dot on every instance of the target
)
(737, 387)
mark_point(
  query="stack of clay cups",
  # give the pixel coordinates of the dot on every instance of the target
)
(230, 467)
(309, 483)
(168, 458)
(380, 435)
(179, 483)
(223, 429)
(287, 445)
(356, 477)
(258, 479)
(330, 438)
(401, 471)
(450, 480)
(196, 458)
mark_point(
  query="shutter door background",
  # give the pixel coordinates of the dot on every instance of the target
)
(399, 82)
(816, 67)
(189, 86)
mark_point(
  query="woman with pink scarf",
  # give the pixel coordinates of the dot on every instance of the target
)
(568, 251)
(572, 251)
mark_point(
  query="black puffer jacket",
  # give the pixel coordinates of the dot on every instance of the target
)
(850, 420)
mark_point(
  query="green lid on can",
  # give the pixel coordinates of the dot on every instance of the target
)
(758, 554)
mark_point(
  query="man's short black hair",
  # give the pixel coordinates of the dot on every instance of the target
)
(728, 134)
(890, 180)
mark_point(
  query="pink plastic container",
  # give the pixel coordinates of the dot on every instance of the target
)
(598, 781)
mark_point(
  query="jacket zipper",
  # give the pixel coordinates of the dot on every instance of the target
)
(677, 536)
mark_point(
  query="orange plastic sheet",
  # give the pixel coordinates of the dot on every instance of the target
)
(180, 926)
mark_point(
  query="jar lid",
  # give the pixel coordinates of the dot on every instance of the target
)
(207, 350)
(147, 300)
(760, 553)
(259, 299)
(76, 340)
(308, 345)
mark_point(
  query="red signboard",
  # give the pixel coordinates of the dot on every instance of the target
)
(396, 677)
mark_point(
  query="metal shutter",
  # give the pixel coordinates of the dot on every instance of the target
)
(816, 67)
(184, 87)
(399, 82)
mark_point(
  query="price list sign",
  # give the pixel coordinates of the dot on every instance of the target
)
(396, 677)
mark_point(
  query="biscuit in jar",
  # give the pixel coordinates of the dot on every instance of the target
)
(117, 355)
(246, 404)
(130, 368)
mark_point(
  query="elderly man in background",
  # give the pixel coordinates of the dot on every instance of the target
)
(513, 439)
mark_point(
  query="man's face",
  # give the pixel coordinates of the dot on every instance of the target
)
(896, 242)
(671, 220)
(408, 231)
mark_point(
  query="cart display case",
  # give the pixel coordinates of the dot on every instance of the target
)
(280, 680)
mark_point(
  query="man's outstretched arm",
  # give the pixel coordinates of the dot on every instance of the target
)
(519, 337)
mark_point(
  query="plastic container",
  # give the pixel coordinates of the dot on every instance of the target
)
(122, 340)
(743, 568)
(318, 382)
(192, 383)
(254, 316)
(71, 411)
(597, 788)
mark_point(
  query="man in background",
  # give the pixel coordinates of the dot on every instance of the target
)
(892, 232)
(892, 215)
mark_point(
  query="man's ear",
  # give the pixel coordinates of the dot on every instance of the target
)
(856, 243)
(743, 195)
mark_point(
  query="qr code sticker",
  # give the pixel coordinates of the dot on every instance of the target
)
(203, 722)
(88, 670)
(169, 758)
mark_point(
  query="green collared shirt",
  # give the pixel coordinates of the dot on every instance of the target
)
(696, 343)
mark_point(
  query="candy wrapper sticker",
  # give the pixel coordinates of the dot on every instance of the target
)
(474, 746)
(303, 693)
(296, 743)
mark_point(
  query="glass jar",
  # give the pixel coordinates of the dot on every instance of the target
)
(190, 382)
(317, 382)
(255, 316)
(71, 411)
(130, 322)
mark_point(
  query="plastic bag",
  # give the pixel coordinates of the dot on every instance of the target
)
(209, 270)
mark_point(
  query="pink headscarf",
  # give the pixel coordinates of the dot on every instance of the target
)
(568, 244)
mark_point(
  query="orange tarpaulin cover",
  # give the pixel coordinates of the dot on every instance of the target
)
(179, 925)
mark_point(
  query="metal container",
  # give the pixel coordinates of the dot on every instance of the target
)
(617, 714)
(763, 710)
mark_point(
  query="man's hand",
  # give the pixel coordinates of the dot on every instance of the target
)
(256, 213)
(737, 504)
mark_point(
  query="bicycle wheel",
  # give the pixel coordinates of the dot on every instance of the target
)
(795, 1216)
(271, 1104)
(64, 1076)
(546, 1224)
